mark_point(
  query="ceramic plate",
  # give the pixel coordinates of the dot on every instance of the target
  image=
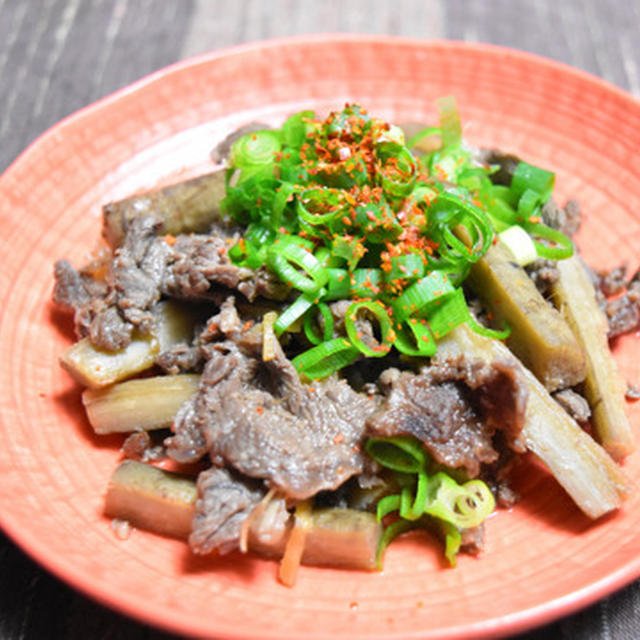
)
(543, 558)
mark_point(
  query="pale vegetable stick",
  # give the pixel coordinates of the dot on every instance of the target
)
(164, 502)
(540, 337)
(151, 498)
(585, 470)
(96, 368)
(138, 405)
(575, 297)
(192, 205)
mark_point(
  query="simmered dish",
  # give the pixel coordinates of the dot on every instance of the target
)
(352, 330)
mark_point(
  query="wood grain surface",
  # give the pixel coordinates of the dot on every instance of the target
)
(57, 56)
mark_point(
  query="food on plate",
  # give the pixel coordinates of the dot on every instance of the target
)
(348, 333)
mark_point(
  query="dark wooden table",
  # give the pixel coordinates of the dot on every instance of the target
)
(59, 55)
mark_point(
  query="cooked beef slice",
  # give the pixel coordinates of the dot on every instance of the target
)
(133, 281)
(141, 446)
(80, 292)
(544, 273)
(181, 358)
(574, 404)
(259, 418)
(225, 499)
(623, 315)
(455, 409)
(623, 312)
(195, 262)
(612, 281)
(147, 267)
(566, 219)
(473, 540)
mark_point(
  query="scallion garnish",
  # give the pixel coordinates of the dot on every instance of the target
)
(426, 494)
(341, 209)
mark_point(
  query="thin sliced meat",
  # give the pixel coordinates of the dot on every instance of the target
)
(455, 409)
(224, 501)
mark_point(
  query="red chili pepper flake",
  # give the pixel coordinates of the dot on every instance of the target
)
(169, 239)
(260, 410)
(338, 439)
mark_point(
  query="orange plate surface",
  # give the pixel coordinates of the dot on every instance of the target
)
(543, 558)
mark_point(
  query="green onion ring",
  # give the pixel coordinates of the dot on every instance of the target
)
(398, 453)
(326, 358)
(280, 257)
(308, 325)
(330, 199)
(386, 332)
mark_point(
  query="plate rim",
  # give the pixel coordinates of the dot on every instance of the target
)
(36, 549)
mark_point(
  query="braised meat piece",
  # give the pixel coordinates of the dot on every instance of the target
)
(259, 418)
(145, 268)
(455, 409)
(225, 499)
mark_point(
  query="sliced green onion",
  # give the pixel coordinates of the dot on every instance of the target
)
(389, 534)
(427, 132)
(452, 210)
(378, 311)
(452, 541)
(387, 505)
(397, 169)
(447, 313)
(414, 507)
(527, 176)
(325, 359)
(296, 310)
(320, 205)
(414, 338)
(464, 506)
(497, 334)
(284, 193)
(283, 255)
(296, 127)
(338, 284)
(399, 453)
(255, 149)
(377, 222)
(529, 201)
(563, 247)
(405, 267)
(365, 283)
(309, 325)
(351, 249)
(418, 296)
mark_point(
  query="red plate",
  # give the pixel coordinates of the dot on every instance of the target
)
(543, 558)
